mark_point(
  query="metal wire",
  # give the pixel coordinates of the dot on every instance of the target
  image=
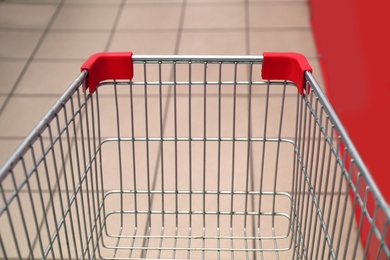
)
(196, 157)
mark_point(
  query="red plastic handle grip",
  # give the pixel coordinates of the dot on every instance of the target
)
(107, 65)
(286, 66)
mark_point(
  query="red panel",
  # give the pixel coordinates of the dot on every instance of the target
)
(353, 43)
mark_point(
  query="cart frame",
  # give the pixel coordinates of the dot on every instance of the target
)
(73, 216)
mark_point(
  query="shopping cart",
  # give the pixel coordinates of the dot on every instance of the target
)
(191, 157)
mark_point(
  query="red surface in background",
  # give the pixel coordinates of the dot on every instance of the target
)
(353, 42)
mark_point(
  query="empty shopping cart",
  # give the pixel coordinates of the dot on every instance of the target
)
(211, 157)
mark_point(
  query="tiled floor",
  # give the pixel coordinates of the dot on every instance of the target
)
(44, 42)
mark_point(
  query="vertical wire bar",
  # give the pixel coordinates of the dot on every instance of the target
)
(330, 203)
(66, 177)
(219, 149)
(31, 253)
(51, 193)
(362, 216)
(118, 132)
(301, 171)
(308, 173)
(336, 214)
(316, 170)
(134, 166)
(176, 159)
(294, 183)
(263, 153)
(382, 242)
(175, 137)
(219, 158)
(343, 215)
(278, 154)
(11, 225)
(252, 184)
(304, 170)
(312, 178)
(204, 140)
(34, 213)
(260, 243)
(149, 220)
(189, 156)
(299, 175)
(72, 174)
(77, 190)
(323, 207)
(101, 205)
(81, 169)
(204, 151)
(59, 191)
(233, 157)
(354, 204)
(248, 172)
(88, 171)
(133, 156)
(277, 167)
(248, 154)
(321, 171)
(161, 146)
(372, 227)
(96, 213)
(161, 242)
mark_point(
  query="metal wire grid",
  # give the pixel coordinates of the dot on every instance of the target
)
(203, 160)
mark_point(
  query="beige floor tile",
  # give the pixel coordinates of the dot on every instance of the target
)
(75, 45)
(208, 42)
(34, 16)
(155, 2)
(300, 41)
(9, 72)
(30, 111)
(83, 2)
(7, 148)
(86, 17)
(278, 16)
(156, 42)
(2, 100)
(18, 44)
(37, 80)
(214, 16)
(138, 17)
(216, 1)
(53, 2)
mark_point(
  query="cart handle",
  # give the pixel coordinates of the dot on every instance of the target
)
(286, 66)
(119, 65)
(107, 65)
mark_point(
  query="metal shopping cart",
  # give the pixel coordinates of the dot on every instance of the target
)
(191, 157)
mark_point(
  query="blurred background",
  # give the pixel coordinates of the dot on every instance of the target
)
(44, 42)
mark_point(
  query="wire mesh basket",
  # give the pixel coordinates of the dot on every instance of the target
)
(191, 157)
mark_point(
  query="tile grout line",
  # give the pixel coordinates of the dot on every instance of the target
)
(115, 25)
(30, 59)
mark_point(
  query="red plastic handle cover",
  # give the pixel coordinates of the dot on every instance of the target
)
(107, 65)
(286, 66)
